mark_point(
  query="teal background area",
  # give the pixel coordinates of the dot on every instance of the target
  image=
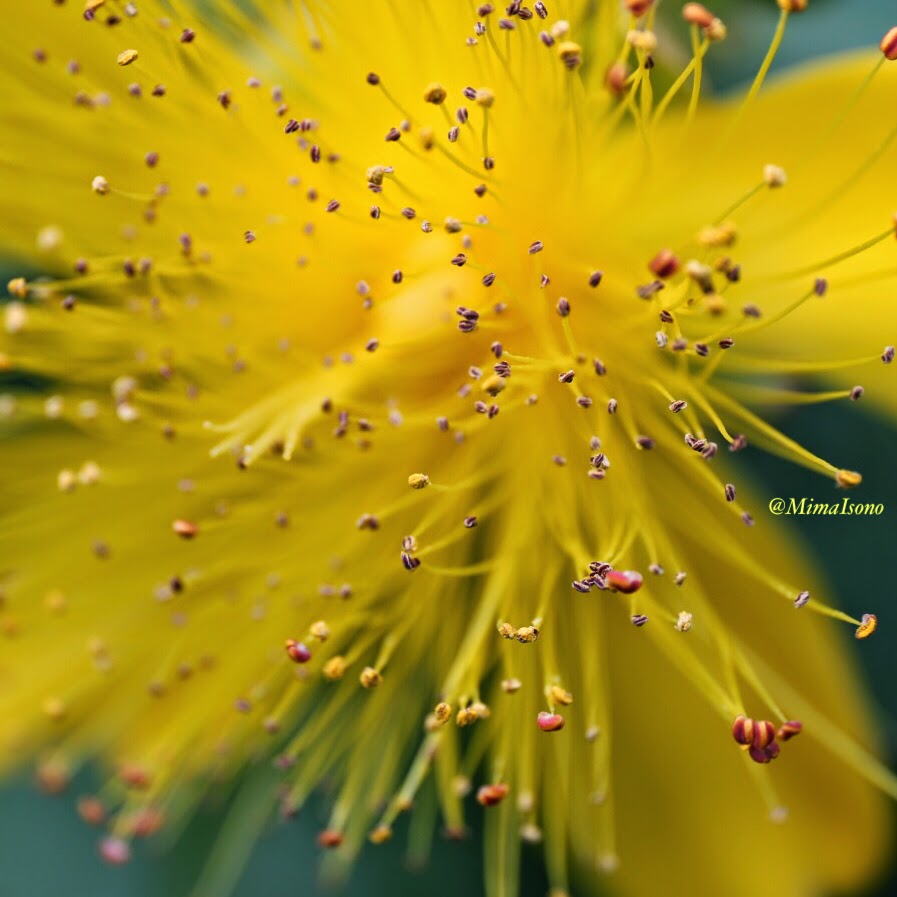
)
(45, 851)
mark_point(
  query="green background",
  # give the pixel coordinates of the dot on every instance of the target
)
(46, 851)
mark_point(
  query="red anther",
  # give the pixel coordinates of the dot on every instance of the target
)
(665, 264)
(91, 810)
(550, 722)
(639, 7)
(764, 755)
(115, 851)
(297, 651)
(888, 44)
(134, 777)
(789, 729)
(330, 838)
(743, 730)
(764, 733)
(697, 14)
(625, 581)
(145, 822)
(615, 77)
(184, 528)
(490, 795)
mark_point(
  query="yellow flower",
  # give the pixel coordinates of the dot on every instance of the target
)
(351, 252)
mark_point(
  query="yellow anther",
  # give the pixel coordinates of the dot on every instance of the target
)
(443, 712)
(319, 630)
(847, 479)
(868, 625)
(560, 695)
(480, 709)
(684, 621)
(66, 480)
(93, 5)
(774, 176)
(716, 31)
(506, 630)
(89, 474)
(793, 5)
(717, 235)
(435, 94)
(370, 678)
(380, 835)
(466, 716)
(642, 40)
(335, 668)
(485, 97)
(100, 185)
(493, 384)
(418, 481)
(715, 304)
(18, 287)
(511, 685)
(126, 57)
(452, 225)
(560, 29)
(570, 54)
(526, 634)
(375, 175)
(427, 136)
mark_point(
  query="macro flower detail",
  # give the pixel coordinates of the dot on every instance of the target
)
(376, 384)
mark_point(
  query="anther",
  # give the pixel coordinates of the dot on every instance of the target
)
(126, 57)
(702, 349)
(868, 625)
(460, 260)
(684, 621)
(566, 377)
(332, 206)
(115, 851)
(730, 492)
(647, 290)
(774, 176)
(646, 443)
(435, 94)
(541, 10)
(789, 729)
(625, 581)
(392, 135)
(570, 54)
(847, 479)
(188, 35)
(563, 307)
(330, 839)
(888, 355)
(888, 44)
(536, 246)
(678, 405)
(743, 730)
(297, 651)
(373, 79)
(370, 678)
(100, 185)
(747, 519)
(856, 393)
(185, 529)
(490, 795)
(334, 668)
(550, 722)
(470, 522)
(793, 5)
(696, 14)
(801, 599)
(639, 619)
(820, 286)
(612, 405)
